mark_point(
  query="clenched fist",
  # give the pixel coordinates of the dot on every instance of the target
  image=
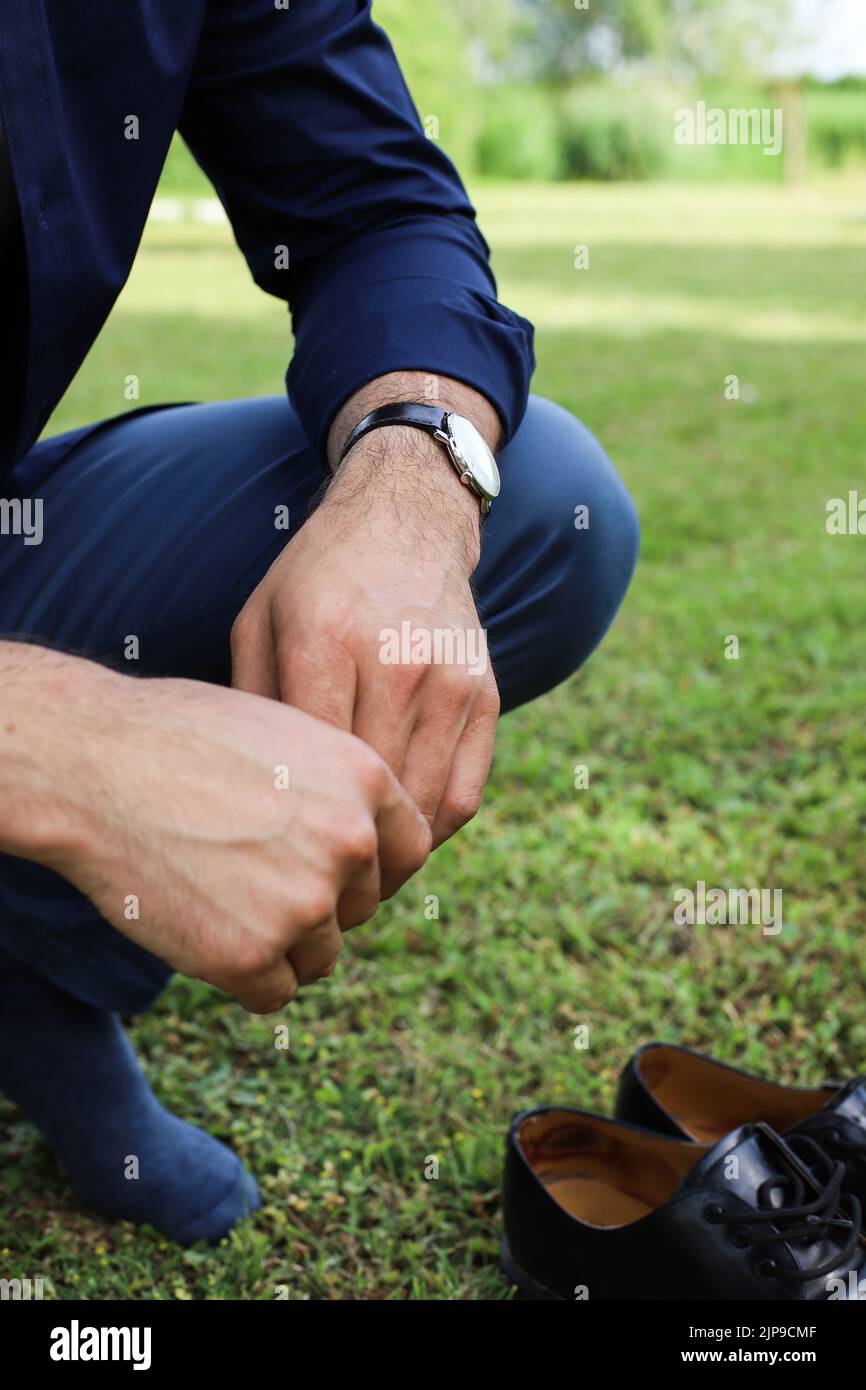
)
(251, 834)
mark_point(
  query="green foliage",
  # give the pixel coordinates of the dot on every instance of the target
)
(606, 130)
(520, 135)
(615, 132)
(565, 41)
(836, 124)
(711, 163)
(682, 38)
(432, 43)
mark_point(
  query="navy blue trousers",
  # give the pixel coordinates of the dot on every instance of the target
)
(159, 524)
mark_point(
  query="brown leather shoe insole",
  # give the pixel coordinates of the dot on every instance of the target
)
(708, 1100)
(600, 1171)
(596, 1202)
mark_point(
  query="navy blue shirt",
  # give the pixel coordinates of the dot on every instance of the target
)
(301, 119)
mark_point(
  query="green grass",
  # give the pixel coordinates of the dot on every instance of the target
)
(555, 904)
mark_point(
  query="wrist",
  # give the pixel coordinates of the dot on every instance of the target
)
(437, 513)
(53, 706)
(414, 387)
(404, 477)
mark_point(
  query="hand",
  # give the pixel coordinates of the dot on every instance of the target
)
(394, 541)
(239, 881)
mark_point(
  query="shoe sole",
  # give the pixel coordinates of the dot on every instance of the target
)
(527, 1286)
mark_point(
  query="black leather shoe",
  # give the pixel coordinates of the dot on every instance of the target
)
(598, 1209)
(691, 1096)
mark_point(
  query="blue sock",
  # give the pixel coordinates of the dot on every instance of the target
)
(71, 1069)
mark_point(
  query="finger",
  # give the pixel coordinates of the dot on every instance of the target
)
(267, 991)
(314, 955)
(321, 683)
(469, 771)
(404, 839)
(386, 722)
(429, 759)
(361, 896)
(254, 659)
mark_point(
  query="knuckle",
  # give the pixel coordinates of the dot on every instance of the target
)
(454, 686)
(360, 911)
(422, 847)
(370, 770)
(273, 1004)
(251, 958)
(330, 967)
(215, 966)
(355, 839)
(313, 905)
(459, 807)
(406, 678)
(339, 626)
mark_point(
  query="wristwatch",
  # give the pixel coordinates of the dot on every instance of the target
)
(464, 444)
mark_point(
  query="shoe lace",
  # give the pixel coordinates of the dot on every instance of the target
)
(854, 1149)
(799, 1220)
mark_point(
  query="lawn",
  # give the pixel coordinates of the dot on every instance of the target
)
(556, 904)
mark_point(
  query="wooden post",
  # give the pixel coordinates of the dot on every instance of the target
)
(791, 97)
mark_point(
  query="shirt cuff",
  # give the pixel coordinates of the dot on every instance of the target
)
(406, 299)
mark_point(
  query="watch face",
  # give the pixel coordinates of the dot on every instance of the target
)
(474, 454)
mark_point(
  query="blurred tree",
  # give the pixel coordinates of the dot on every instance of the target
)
(556, 40)
(730, 38)
(533, 56)
(434, 45)
(570, 40)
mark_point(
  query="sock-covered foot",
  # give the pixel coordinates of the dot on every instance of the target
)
(72, 1071)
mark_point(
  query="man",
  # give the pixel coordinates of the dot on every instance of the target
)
(235, 834)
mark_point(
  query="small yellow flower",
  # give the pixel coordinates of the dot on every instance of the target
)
(345, 1153)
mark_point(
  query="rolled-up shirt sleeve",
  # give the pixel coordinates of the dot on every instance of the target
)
(345, 209)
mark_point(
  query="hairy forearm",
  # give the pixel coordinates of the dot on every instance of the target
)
(408, 473)
(49, 711)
